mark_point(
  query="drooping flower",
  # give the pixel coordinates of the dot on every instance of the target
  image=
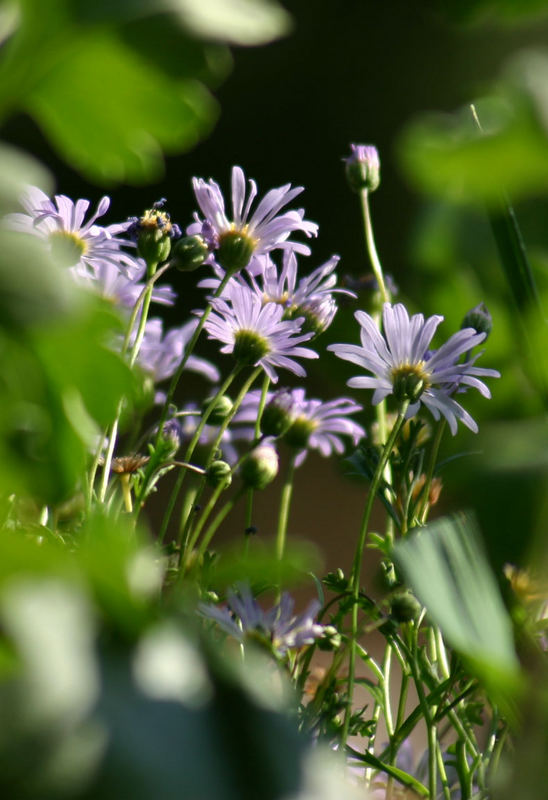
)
(160, 355)
(278, 628)
(73, 242)
(247, 233)
(403, 366)
(256, 334)
(314, 424)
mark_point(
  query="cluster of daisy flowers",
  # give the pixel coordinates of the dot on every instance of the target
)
(266, 313)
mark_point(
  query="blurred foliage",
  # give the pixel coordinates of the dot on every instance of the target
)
(504, 149)
(116, 85)
(448, 572)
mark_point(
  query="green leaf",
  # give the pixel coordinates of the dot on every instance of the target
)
(242, 22)
(111, 114)
(450, 156)
(399, 774)
(19, 170)
(446, 568)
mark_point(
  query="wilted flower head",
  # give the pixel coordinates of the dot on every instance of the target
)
(73, 242)
(279, 628)
(403, 366)
(247, 233)
(256, 334)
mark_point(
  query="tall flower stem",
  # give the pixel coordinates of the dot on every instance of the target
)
(186, 522)
(425, 507)
(144, 298)
(188, 352)
(251, 492)
(371, 248)
(356, 568)
(219, 518)
(191, 447)
(285, 502)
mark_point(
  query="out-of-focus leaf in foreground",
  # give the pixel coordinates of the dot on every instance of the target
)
(111, 105)
(446, 568)
(451, 157)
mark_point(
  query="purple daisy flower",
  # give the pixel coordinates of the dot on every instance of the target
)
(119, 287)
(403, 365)
(314, 424)
(264, 229)
(73, 242)
(279, 627)
(161, 355)
(256, 334)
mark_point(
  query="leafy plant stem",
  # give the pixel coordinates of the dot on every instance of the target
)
(356, 568)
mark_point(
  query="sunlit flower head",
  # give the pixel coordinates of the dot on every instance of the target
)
(73, 241)
(279, 628)
(256, 334)
(403, 366)
(118, 287)
(247, 233)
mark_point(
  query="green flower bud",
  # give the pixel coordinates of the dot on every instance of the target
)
(222, 408)
(235, 250)
(219, 473)
(278, 414)
(260, 467)
(363, 168)
(404, 607)
(153, 232)
(480, 319)
(189, 253)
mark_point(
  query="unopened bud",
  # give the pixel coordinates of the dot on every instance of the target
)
(171, 437)
(278, 414)
(363, 168)
(189, 253)
(479, 319)
(219, 473)
(234, 251)
(153, 232)
(260, 467)
(220, 411)
(404, 607)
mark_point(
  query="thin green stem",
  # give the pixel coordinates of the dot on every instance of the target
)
(430, 470)
(219, 518)
(356, 568)
(188, 352)
(371, 248)
(251, 492)
(190, 451)
(285, 503)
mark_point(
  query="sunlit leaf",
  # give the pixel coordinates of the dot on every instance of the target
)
(112, 115)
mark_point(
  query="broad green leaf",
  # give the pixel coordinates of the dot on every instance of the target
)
(446, 568)
(111, 114)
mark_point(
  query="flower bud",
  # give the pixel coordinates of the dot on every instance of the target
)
(404, 607)
(171, 436)
(220, 411)
(260, 467)
(189, 253)
(479, 319)
(234, 251)
(219, 473)
(278, 414)
(299, 433)
(153, 232)
(363, 168)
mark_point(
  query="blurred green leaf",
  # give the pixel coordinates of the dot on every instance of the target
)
(449, 156)
(488, 10)
(19, 170)
(243, 22)
(111, 114)
(446, 568)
